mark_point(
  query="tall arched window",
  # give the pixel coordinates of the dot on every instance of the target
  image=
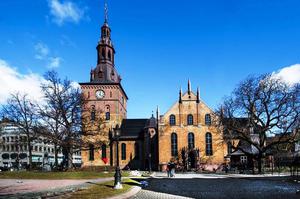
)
(109, 55)
(103, 53)
(93, 114)
(208, 142)
(191, 140)
(190, 119)
(91, 152)
(123, 151)
(107, 116)
(207, 119)
(103, 150)
(172, 120)
(174, 149)
(136, 151)
(107, 113)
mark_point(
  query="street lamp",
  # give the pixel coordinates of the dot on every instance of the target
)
(117, 133)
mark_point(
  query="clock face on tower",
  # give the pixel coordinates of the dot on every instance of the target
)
(100, 94)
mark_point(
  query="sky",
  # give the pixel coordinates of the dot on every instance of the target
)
(159, 45)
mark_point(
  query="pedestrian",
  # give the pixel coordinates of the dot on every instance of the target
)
(172, 167)
(169, 169)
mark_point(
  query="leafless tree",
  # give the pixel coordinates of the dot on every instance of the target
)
(260, 107)
(21, 112)
(61, 115)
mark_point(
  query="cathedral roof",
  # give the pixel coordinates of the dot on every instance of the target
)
(132, 128)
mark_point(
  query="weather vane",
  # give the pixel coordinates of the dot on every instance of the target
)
(105, 11)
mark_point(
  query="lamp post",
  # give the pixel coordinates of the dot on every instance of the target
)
(117, 133)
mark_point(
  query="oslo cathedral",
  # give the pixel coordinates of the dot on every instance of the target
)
(184, 134)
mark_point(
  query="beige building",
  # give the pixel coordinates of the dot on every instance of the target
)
(188, 135)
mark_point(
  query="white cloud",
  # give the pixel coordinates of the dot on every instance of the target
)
(12, 81)
(54, 62)
(42, 51)
(65, 11)
(290, 74)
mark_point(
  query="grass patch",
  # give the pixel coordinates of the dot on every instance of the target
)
(102, 190)
(57, 175)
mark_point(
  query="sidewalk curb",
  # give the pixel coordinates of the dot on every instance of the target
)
(134, 190)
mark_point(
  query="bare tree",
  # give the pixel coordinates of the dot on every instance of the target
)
(260, 107)
(62, 115)
(21, 112)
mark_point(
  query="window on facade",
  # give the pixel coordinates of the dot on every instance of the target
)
(229, 148)
(172, 120)
(207, 119)
(107, 116)
(243, 159)
(174, 149)
(100, 74)
(136, 151)
(123, 151)
(91, 152)
(208, 142)
(93, 114)
(103, 53)
(109, 55)
(191, 140)
(103, 150)
(190, 119)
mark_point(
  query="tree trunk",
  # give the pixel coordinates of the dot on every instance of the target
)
(55, 156)
(70, 159)
(29, 153)
(259, 164)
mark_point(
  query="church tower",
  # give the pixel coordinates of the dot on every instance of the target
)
(105, 102)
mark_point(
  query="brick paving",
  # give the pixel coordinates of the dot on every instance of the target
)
(13, 188)
(219, 187)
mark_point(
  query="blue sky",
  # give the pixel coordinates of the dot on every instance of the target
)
(159, 44)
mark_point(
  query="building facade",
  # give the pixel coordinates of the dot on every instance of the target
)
(14, 150)
(185, 133)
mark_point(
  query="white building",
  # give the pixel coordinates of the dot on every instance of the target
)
(14, 149)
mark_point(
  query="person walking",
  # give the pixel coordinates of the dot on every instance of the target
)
(172, 167)
(169, 169)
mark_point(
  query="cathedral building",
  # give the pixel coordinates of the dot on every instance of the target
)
(184, 134)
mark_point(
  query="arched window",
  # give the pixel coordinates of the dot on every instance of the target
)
(191, 140)
(172, 120)
(103, 53)
(208, 142)
(207, 119)
(107, 113)
(190, 119)
(103, 150)
(107, 116)
(109, 55)
(93, 114)
(174, 149)
(100, 74)
(123, 151)
(136, 151)
(91, 152)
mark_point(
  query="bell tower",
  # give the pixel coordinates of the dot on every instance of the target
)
(105, 101)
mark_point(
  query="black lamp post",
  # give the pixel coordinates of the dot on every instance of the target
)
(118, 184)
